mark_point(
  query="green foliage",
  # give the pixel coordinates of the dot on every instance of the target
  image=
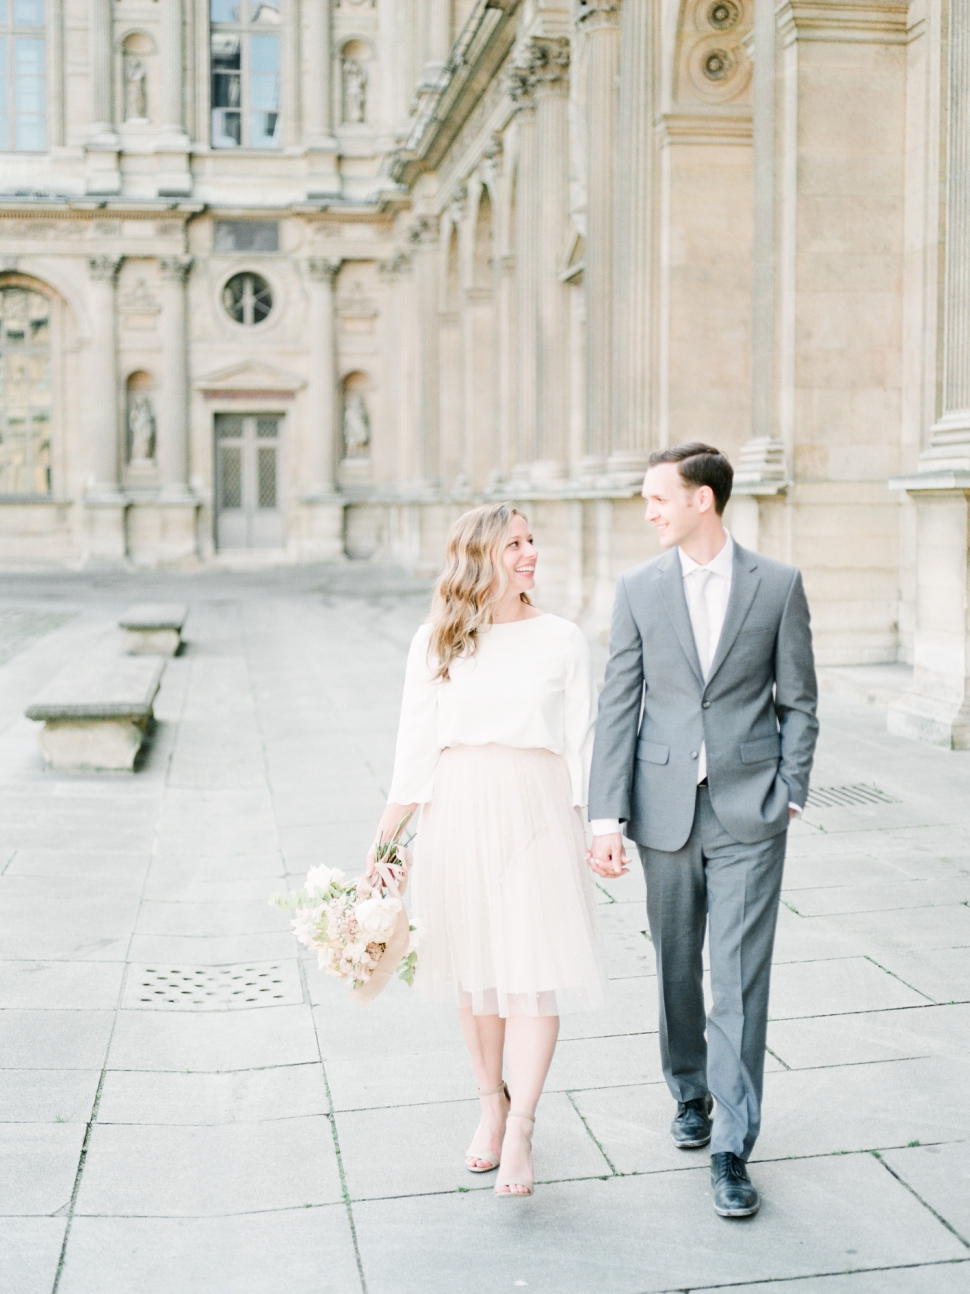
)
(407, 968)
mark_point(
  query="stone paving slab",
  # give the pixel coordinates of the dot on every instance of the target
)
(309, 1144)
(31, 1249)
(208, 1171)
(244, 1255)
(627, 1235)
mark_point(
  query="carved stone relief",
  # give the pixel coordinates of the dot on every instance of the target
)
(712, 65)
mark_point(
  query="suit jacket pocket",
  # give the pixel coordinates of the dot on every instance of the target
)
(760, 751)
(652, 752)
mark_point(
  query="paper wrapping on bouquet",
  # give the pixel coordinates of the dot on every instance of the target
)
(396, 948)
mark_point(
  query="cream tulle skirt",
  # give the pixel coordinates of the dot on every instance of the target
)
(502, 889)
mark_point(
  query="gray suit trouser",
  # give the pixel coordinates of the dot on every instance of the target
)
(715, 879)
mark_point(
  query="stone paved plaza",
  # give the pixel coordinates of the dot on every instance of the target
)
(188, 1107)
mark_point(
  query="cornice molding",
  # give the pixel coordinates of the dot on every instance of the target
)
(729, 125)
(876, 22)
(480, 50)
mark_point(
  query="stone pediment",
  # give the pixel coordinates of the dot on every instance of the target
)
(251, 378)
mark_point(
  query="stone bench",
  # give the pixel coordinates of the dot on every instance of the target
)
(96, 714)
(153, 629)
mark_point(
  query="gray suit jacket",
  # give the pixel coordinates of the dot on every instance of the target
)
(756, 712)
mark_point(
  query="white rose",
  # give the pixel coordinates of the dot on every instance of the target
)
(320, 878)
(356, 951)
(378, 917)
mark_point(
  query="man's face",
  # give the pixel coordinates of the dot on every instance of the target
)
(671, 504)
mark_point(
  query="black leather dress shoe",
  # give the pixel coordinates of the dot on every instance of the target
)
(692, 1126)
(734, 1195)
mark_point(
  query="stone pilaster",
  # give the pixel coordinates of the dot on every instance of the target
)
(172, 151)
(173, 443)
(762, 472)
(178, 507)
(549, 63)
(599, 21)
(423, 238)
(106, 505)
(101, 151)
(632, 377)
(526, 281)
(949, 447)
(323, 531)
(323, 179)
(937, 709)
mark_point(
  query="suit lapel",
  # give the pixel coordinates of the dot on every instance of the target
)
(744, 585)
(672, 589)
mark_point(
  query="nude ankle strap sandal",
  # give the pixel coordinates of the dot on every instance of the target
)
(485, 1154)
(501, 1188)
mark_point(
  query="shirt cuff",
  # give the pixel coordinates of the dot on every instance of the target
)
(605, 826)
(796, 808)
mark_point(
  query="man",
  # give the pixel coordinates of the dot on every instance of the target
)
(712, 643)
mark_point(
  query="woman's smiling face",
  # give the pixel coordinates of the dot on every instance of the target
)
(519, 557)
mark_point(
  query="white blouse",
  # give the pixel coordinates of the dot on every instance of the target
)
(529, 684)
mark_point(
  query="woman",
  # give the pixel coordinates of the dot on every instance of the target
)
(494, 744)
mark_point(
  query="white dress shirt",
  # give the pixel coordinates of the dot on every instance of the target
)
(706, 590)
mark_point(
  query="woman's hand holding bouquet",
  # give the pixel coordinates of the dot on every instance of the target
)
(359, 928)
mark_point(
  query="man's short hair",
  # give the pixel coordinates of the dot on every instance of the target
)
(700, 464)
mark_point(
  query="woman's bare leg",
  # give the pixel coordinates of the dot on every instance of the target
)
(485, 1040)
(530, 1042)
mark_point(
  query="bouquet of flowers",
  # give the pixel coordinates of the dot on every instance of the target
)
(359, 927)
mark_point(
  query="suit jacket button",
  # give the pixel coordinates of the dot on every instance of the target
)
(693, 754)
(706, 705)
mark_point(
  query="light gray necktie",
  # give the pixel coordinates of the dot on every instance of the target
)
(702, 621)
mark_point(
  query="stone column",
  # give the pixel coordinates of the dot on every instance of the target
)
(761, 473)
(633, 246)
(322, 389)
(323, 537)
(550, 66)
(101, 161)
(105, 503)
(424, 240)
(950, 438)
(177, 506)
(526, 301)
(102, 372)
(937, 709)
(173, 431)
(99, 53)
(172, 88)
(600, 22)
(174, 177)
(323, 179)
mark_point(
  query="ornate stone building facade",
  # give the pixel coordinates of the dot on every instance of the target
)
(307, 277)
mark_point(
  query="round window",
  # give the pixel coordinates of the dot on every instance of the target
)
(247, 298)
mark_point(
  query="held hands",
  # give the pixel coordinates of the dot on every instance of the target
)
(608, 857)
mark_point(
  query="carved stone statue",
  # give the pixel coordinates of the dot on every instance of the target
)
(141, 428)
(136, 90)
(355, 92)
(356, 426)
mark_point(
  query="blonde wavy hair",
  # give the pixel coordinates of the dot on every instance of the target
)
(473, 580)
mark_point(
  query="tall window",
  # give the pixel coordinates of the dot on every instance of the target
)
(245, 73)
(23, 124)
(25, 392)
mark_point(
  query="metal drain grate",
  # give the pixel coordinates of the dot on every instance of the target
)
(847, 797)
(211, 988)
